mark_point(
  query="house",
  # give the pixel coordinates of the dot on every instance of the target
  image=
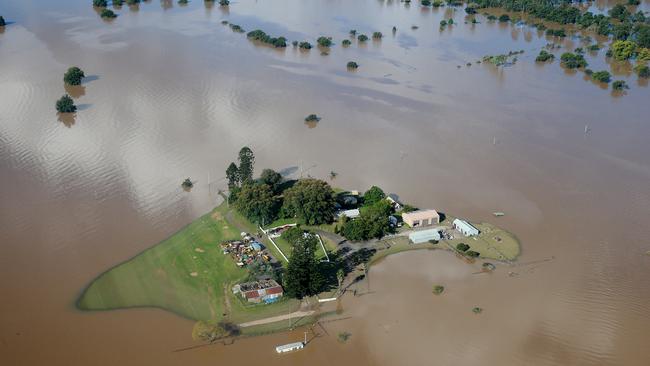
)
(424, 236)
(465, 228)
(394, 201)
(351, 214)
(266, 291)
(421, 218)
(256, 246)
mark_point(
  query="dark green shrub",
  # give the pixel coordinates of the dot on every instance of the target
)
(2, 21)
(108, 14)
(643, 71)
(352, 65)
(73, 76)
(601, 76)
(324, 41)
(619, 85)
(544, 56)
(462, 247)
(100, 3)
(504, 18)
(362, 38)
(65, 104)
(346, 42)
(377, 35)
(305, 45)
(426, 2)
(573, 61)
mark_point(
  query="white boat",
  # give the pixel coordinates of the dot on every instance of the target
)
(498, 214)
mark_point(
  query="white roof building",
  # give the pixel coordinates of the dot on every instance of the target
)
(465, 227)
(351, 214)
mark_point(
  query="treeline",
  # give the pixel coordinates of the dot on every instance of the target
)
(270, 197)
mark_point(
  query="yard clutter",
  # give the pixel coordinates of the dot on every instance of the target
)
(246, 251)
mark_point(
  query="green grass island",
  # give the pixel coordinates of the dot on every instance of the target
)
(196, 273)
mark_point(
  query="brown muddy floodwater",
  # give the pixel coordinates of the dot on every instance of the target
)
(174, 93)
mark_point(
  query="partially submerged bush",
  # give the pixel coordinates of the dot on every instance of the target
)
(544, 56)
(377, 35)
(643, 71)
(73, 76)
(187, 183)
(619, 85)
(324, 41)
(362, 38)
(108, 14)
(100, 3)
(438, 289)
(352, 65)
(346, 42)
(504, 18)
(65, 104)
(477, 310)
(343, 336)
(304, 45)
(601, 76)
(472, 254)
(259, 35)
(312, 118)
(573, 61)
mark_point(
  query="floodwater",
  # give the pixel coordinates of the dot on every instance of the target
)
(173, 93)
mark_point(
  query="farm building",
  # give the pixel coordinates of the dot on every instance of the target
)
(351, 214)
(424, 236)
(267, 291)
(465, 228)
(421, 218)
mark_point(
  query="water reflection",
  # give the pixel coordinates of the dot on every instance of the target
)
(75, 91)
(68, 119)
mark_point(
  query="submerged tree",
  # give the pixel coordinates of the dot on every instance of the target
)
(108, 14)
(352, 65)
(324, 41)
(100, 3)
(2, 21)
(73, 76)
(65, 104)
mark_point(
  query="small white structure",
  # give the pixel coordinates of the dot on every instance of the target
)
(351, 214)
(289, 347)
(423, 236)
(394, 201)
(465, 228)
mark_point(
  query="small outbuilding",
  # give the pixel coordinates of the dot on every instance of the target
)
(465, 228)
(351, 214)
(424, 236)
(394, 201)
(421, 218)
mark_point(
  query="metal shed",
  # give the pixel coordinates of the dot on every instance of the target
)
(424, 236)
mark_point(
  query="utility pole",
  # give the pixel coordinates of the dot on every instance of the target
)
(305, 342)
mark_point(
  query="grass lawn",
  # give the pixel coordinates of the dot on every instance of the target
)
(492, 243)
(186, 274)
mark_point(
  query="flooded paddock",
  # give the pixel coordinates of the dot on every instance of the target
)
(172, 93)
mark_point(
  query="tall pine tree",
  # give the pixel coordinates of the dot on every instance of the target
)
(246, 165)
(303, 277)
(232, 174)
